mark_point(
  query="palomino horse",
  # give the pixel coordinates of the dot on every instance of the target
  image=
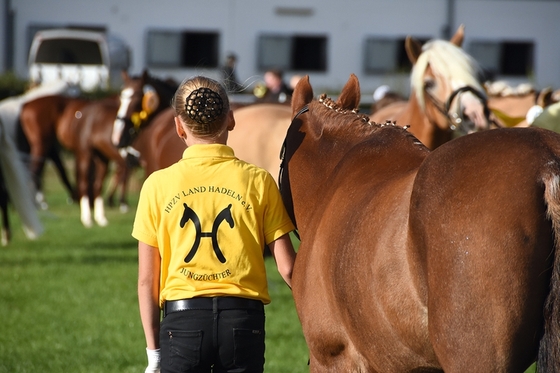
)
(446, 94)
(419, 261)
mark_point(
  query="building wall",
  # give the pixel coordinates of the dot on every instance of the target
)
(345, 23)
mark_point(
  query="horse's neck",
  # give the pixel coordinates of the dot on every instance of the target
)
(420, 125)
(323, 163)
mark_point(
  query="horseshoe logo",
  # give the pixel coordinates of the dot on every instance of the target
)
(224, 215)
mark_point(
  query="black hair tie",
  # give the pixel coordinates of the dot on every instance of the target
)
(204, 105)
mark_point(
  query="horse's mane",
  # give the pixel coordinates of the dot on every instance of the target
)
(167, 86)
(448, 61)
(360, 125)
(501, 88)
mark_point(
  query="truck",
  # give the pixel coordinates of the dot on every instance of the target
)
(89, 59)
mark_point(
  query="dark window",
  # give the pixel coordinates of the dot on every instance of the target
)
(182, 49)
(69, 51)
(387, 55)
(504, 58)
(516, 59)
(296, 53)
(309, 53)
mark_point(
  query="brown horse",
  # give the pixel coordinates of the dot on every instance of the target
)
(142, 99)
(40, 121)
(419, 261)
(515, 109)
(446, 93)
(83, 127)
(257, 137)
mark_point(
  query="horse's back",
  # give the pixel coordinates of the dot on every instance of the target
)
(258, 134)
(480, 220)
(391, 112)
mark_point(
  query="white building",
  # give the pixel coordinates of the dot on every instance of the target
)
(330, 39)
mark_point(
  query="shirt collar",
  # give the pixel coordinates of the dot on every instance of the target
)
(208, 150)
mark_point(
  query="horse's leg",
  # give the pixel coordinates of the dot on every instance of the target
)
(119, 181)
(54, 155)
(101, 166)
(132, 160)
(111, 153)
(82, 177)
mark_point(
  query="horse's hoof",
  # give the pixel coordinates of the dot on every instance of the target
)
(87, 223)
(5, 239)
(123, 208)
(102, 222)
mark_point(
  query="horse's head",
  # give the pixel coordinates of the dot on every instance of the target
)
(445, 81)
(141, 98)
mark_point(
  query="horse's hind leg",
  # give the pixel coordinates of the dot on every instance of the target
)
(83, 167)
(100, 173)
(54, 155)
(119, 182)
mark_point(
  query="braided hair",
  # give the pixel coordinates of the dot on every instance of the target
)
(203, 105)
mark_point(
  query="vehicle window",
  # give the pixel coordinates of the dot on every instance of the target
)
(69, 51)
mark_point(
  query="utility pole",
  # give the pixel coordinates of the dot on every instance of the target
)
(448, 28)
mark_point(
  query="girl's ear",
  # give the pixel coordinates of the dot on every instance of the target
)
(231, 121)
(179, 129)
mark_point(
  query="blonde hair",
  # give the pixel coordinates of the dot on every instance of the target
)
(203, 106)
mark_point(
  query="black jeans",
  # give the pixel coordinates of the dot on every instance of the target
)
(213, 341)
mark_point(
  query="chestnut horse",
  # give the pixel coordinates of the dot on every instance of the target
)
(84, 128)
(257, 138)
(142, 99)
(519, 109)
(416, 260)
(446, 94)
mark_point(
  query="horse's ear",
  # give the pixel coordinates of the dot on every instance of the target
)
(349, 98)
(145, 75)
(545, 97)
(413, 49)
(303, 94)
(124, 75)
(459, 36)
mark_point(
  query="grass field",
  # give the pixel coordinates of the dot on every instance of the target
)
(68, 300)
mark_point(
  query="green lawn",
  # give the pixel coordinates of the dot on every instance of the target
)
(68, 300)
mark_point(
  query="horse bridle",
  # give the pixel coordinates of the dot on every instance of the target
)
(283, 158)
(456, 121)
(283, 148)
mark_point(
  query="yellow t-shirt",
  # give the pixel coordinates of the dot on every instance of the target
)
(210, 215)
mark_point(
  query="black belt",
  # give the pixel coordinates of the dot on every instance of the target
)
(216, 304)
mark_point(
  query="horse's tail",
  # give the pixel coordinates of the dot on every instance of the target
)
(549, 348)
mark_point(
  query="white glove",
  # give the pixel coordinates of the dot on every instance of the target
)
(153, 361)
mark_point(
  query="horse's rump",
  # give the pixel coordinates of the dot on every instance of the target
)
(481, 220)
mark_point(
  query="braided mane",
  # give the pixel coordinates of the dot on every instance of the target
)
(331, 104)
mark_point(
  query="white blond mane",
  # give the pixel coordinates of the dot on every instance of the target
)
(448, 62)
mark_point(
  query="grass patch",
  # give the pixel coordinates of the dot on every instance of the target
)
(68, 299)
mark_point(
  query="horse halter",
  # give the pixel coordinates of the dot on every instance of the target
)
(456, 120)
(283, 148)
(283, 160)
